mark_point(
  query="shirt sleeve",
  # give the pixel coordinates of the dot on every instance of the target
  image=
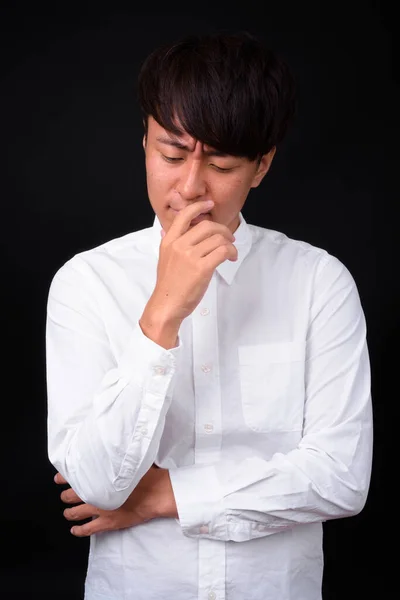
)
(327, 475)
(106, 414)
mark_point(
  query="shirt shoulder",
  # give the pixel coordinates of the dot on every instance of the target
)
(136, 244)
(299, 255)
(279, 242)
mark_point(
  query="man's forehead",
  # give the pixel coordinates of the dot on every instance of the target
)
(185, 139)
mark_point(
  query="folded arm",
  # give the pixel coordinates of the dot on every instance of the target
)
(106, 413)
(327, 475)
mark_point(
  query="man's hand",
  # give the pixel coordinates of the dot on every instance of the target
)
(152, 498)
(188, 257)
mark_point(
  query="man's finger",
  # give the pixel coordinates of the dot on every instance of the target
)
(182, 221)
(70, 497)
(96, 526)
(83, 530)
(58, 478)
(83, 511)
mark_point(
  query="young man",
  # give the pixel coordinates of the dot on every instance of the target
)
(208, 380)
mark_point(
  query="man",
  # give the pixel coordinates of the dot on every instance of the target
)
(208, 380)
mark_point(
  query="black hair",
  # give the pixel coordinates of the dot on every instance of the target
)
(227, 90)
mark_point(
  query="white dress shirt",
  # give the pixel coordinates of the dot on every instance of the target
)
(262, 414)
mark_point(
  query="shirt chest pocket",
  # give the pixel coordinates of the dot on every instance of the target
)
(272, 386)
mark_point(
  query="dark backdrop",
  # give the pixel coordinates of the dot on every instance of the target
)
(73, 177)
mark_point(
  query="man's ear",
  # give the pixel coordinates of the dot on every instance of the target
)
(263, 167)
(144, 141)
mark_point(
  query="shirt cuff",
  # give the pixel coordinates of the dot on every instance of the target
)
(199, 501)
(147, 364)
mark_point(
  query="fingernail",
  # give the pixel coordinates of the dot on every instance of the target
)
(210, 203)
(162, 233)
(55, 477)
(72, 530)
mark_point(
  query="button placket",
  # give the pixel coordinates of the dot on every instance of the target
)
(208, 431)
(211, 569)
(206, 378)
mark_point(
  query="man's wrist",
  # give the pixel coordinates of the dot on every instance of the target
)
(166, 506)
(159, 327)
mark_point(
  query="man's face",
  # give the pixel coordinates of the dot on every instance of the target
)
(181, 170)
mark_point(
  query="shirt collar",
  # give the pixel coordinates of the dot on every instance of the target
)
(228, 269)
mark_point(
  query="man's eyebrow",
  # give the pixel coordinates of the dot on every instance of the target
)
(181, 146)
(171, 142)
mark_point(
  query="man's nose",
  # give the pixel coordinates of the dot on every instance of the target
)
(192, 184)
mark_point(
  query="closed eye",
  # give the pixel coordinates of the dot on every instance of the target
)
(175, 159)
(171, 159)
(221, 170)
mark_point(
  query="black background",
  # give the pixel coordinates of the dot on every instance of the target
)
(73, 177)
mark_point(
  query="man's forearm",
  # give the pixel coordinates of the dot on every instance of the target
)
(164, 504)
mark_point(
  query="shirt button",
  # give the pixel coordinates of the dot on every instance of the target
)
(208, 427)
(211, 596)
(144, 430)
(204, 529)
(204, 312)
(205, 368)
(159, 370)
